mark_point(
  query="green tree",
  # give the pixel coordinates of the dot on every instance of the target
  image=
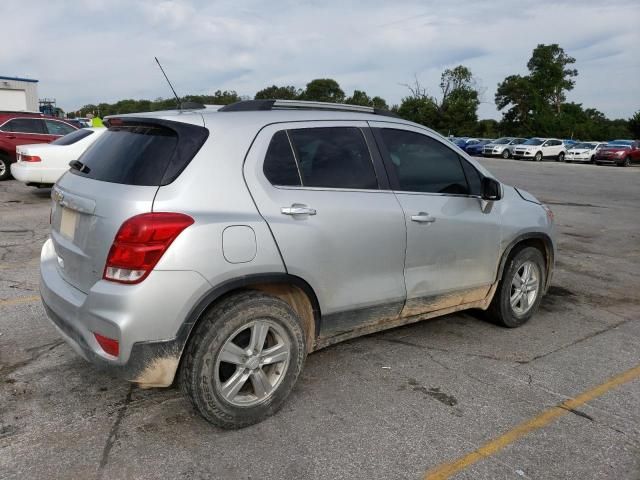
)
(281, 93)
(323, 90)
(360, 97)
(634, 125)
(550, 74)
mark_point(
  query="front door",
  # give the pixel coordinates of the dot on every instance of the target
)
(24, 131)
(321, 188)
(453, 237)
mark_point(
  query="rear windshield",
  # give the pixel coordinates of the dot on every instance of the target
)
(72, 137)
(136, 153)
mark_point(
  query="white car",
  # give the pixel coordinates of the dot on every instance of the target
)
(539, 148)
(42, 164)
(583, 152)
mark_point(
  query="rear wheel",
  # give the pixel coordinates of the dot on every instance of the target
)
(243, 359)
(520, 290)
(538, 157)
(561, 157)
(506, 153)
(5, 171)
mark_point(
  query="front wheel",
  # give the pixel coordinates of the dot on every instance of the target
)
(5, 170)
(627, 162)
(243, 360)
(538, 157)
(561, 157)
(520, 290)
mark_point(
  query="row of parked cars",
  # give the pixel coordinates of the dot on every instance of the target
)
(618, 152)
(36, 148)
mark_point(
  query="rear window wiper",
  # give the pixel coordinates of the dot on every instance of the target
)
(78, 165)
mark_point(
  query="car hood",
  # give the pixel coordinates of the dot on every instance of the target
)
(614, 150)
(527, 196)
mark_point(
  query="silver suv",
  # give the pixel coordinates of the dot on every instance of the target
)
(219, 248)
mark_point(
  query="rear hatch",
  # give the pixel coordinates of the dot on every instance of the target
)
(115, 179)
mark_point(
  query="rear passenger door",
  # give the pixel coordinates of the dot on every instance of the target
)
(322, 189)
(23, 131)
(453, 237)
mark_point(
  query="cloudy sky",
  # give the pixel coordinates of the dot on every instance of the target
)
(102, 50)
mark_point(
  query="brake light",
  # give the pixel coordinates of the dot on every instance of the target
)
(109, 345)
(140, 243)
(30, 158)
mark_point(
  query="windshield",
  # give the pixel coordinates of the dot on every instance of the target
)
(621, 142)
(588, 146)
(533, 141)
(502, 141)
(72, 137)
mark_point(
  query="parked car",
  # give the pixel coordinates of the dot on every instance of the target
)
(42, 164)
(464, 142)
(620, 152)
(569, 143)
(225, 258)
(78, 122)
(583, 152)
(539, 148)
(502, 147)
(21, 128)
(476, 149)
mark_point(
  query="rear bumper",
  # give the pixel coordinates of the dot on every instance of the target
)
(147, 319)
(27, 172)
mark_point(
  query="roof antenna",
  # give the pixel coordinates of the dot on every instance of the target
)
(179, 103)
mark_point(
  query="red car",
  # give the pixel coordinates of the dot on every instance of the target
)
(620, 152)
(22, 128)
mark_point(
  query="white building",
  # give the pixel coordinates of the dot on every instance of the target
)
(18, 94)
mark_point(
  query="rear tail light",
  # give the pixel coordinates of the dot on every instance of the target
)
(140, 243)
(30, 158)
(109, 345)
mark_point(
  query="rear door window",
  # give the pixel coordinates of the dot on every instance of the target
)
(58, 128)
(137, 153)
(334, 157)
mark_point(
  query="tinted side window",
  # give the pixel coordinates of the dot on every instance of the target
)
(279, 164)
(473, 178)
(423, 164)
(335, 157)
(24, 125)
(58, 128)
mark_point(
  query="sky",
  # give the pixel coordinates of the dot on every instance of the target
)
(92, 51)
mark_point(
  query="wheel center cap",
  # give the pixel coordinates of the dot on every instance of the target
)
(253, 362)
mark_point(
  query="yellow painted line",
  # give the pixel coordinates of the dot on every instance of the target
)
(492, 447)
(19, 300)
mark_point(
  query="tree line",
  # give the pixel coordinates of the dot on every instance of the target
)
(531, 105)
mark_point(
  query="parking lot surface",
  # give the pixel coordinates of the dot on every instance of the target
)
(411, 402)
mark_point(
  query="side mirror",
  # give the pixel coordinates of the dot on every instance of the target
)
(491, 189)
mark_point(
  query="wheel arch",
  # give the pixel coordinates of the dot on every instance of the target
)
(290, 288)
(538, 240)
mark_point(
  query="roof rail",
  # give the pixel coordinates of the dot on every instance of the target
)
(260, 105)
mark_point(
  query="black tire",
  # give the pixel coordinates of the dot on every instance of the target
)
(216, 328)
(561, 157)
(627, 162)
(5, 168)
(593, 159)
(506, 153)
(500, 311)
(538, 157)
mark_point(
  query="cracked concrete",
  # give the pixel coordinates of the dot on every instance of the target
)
(387, 406)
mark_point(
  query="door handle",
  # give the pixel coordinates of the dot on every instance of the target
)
(298, 209)
(423, 217)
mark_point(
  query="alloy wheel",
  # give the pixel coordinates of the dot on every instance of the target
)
(252, 363)
(524, 288)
